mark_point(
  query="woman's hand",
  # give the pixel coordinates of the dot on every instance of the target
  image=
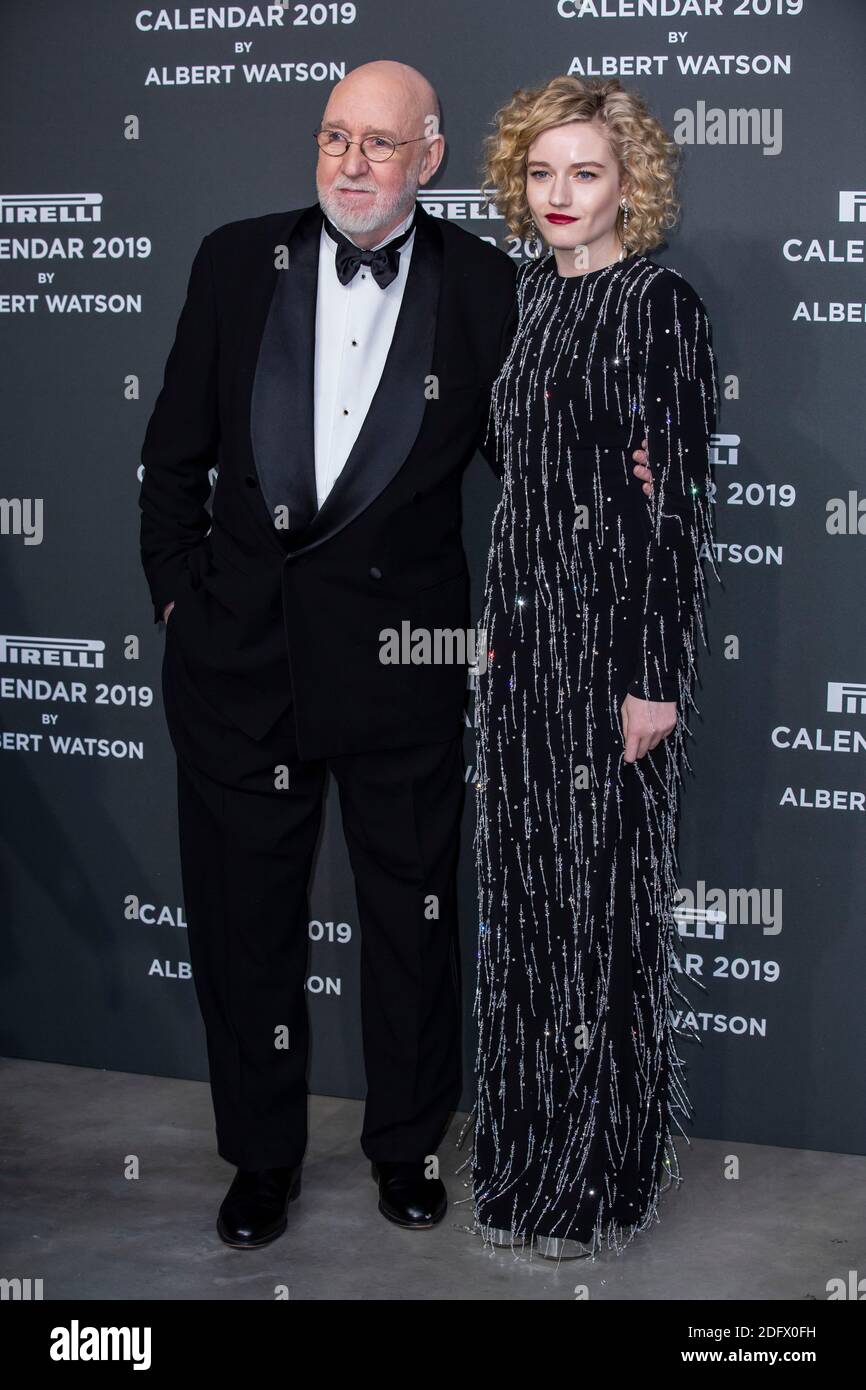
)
(645, 723)
(643, 470)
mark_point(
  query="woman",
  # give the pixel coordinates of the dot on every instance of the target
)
(593, 602)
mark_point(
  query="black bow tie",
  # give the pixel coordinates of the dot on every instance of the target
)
(384, 262)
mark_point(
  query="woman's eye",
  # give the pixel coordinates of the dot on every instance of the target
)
(538, 173)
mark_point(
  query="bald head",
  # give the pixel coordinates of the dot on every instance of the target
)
(401, 93)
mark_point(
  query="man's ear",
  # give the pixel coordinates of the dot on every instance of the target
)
(433, 156)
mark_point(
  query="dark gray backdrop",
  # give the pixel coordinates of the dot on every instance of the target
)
(104, 140)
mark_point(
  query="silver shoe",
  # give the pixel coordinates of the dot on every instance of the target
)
(496, 1235)
(552, 1248)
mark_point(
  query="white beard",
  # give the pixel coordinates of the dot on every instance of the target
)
(386, 209)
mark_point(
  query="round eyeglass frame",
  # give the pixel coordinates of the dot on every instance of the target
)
(375, 159)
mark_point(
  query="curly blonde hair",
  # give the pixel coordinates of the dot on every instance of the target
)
(648, 158)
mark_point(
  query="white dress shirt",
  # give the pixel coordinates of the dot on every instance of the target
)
(354, 329)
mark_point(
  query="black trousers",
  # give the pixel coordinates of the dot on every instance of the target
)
(246, 857)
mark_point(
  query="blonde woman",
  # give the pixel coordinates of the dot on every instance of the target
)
(592, 606)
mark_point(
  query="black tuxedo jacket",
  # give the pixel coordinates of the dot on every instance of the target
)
(276, 601)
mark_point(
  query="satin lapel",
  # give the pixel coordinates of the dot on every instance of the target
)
(397, 409)
(279, 355)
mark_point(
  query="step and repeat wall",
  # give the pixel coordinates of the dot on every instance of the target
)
(129, 132)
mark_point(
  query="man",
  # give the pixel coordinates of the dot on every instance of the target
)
(335, 363)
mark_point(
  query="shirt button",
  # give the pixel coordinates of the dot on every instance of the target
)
(375, 572)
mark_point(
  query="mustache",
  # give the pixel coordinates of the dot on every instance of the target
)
(343, 182)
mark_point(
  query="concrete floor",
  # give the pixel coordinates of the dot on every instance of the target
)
(790, 1222)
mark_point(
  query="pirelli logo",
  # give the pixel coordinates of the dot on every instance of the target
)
(459, 205)
(50, 207)
(79, 652)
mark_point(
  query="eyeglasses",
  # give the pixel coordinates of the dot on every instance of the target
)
(374, 147)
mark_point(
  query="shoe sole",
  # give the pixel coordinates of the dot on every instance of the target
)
(266, 1240)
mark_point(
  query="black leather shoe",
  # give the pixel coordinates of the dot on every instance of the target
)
(253, 1211)
(406, 1197)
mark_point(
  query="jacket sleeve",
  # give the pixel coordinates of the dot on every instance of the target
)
(678, 402)
(181, 442)
(488, 439)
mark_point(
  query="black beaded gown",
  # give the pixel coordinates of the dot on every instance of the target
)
(593, 590)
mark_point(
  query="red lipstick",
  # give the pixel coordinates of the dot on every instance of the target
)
(559, 218)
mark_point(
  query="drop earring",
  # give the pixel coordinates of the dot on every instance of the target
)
(534, 246)
(625, 211)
